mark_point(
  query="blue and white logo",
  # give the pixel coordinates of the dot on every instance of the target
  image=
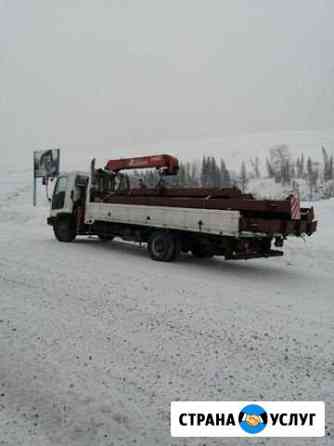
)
(253, 419)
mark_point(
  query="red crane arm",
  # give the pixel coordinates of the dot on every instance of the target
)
(168, 163)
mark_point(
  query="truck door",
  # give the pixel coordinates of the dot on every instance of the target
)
(59, 193)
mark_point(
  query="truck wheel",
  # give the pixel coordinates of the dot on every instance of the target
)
(162, 246)
(64, 230)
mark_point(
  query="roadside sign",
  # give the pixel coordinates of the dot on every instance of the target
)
(46, 165)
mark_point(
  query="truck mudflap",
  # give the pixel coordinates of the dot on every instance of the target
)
(311, 227)
(246, 256)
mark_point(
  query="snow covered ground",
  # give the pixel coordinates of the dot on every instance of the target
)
(96, 339)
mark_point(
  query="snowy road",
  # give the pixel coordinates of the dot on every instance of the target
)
(96, 339)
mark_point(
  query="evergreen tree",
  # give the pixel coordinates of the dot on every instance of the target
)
(181, 176)
(298, 167)
(285, 172)
(243, 177)
(325, 160)
(330, 169)
(194, 174)
(224, 175)
(215, 173)
(312, 176)
(328, 165)
(292, 171)
(204, 172)
(187, 174)
(210, 172)
(302, 166)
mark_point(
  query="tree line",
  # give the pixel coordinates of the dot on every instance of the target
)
(279, 165)
(208, 173)
(319, 176)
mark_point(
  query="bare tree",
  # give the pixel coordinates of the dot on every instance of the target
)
(280, 159)
(255, 163)
(270, 169)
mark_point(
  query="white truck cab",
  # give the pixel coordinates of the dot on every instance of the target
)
(67, 191)
(68, 198)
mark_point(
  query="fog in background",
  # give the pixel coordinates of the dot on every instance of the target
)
(127, 77)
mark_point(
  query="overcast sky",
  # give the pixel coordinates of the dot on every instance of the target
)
(106, 73)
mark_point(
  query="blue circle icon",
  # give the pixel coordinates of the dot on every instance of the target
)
(253, 419)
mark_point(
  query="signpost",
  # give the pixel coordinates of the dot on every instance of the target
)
(46, 165)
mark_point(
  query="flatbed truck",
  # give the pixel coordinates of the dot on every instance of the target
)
(204, 222)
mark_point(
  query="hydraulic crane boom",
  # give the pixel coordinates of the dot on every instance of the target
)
(167, 164)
